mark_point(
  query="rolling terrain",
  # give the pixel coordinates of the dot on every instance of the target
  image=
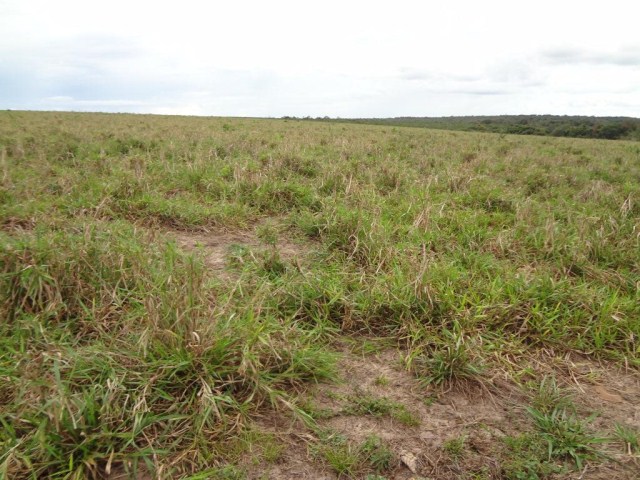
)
(190, 297)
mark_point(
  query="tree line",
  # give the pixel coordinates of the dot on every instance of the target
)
(612, 128)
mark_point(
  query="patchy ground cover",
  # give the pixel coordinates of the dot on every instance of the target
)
(237, 298)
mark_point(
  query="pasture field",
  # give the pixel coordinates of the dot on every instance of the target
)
(186, 297)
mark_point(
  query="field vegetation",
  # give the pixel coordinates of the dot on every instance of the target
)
(188, 297)
(610, 128)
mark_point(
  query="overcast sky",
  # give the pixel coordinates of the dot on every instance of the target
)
(336, 58)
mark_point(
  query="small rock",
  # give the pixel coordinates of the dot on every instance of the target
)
(410, 460)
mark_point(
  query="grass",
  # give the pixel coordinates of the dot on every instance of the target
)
(447, 361)
(381, 381)
(454, 447)
(629, 437)
(548, 396)
(349, 459)
(567, 436)
(377, 454)
(120, 350)
(119, 346)
(366, 404)
(559, 440)
(527, 459)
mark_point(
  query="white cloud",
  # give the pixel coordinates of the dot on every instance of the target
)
(332, 58)
(625, 56)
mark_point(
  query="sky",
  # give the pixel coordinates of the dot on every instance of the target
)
(322, 58)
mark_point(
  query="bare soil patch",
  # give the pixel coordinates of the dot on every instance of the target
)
(438, 418)
(480, 417)
(216, 246)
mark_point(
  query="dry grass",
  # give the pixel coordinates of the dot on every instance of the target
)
(123, 348)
